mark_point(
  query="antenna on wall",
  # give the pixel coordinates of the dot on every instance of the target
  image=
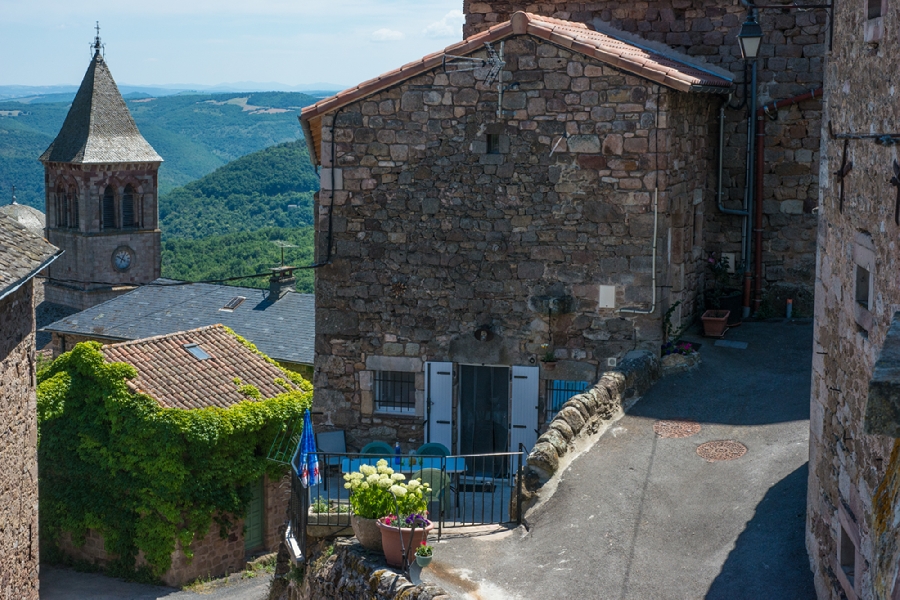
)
(13, 194)
(282, 244)
(494, 60)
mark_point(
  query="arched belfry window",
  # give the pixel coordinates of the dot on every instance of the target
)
(109, 208)
(62, 208)
(128, 208)
(73, 208)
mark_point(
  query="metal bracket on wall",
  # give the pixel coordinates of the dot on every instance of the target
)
(842, 173)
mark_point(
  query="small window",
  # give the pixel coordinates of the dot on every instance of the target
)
(73, 208)
(196, 351)
(848, 557)
(109, 208)
(233, 303)
(493, 143)
(558, 393)
(862, 286)
(395, 391)
(128, 212)
(874, 9)
(62, 208)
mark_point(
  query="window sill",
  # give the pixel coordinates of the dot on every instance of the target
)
(874, 30)
(382, 412)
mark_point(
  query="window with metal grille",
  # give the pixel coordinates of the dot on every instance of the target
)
(128, 212)
(559, 391)
(109, 208)
(395, 391)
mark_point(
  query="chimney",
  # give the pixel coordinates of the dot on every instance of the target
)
(281, 282)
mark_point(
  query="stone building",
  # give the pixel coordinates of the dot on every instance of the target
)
(853, 512)
(100, 179)
(475, 221)
(22, 256)
(790, 64)
(193, 370)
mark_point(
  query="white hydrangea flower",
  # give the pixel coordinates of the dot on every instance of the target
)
(385, 482)
(373, 478)
(414, 484)
(398, 476)
(381, 463)
(348, 486)
(398, 490)
(367, 469)
(384, 469)
(364, 485)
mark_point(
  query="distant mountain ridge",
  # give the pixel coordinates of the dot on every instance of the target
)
(9, 92)
(194, 133)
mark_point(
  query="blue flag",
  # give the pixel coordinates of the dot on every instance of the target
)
(306, 460)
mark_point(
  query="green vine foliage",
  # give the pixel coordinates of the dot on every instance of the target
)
(144, 476)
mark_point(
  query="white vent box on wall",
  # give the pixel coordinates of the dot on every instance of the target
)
(607, 296)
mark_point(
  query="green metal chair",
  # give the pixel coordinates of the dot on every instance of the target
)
(433, 449)
(378, 449)
(440, 486)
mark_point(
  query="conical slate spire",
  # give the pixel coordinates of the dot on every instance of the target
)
(99, 128)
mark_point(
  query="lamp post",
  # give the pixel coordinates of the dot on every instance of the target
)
(749, 39)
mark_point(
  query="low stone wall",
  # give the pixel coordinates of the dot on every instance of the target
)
(344, 570)
(582, 416)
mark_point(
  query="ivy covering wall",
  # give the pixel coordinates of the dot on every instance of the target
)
(141, 475)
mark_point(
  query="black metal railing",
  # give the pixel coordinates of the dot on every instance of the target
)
(467, 490)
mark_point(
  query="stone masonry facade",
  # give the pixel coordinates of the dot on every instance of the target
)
(791, 63)
(854, 476)
(436, 234)
(213, 555)
(18, 448)
(86, 273)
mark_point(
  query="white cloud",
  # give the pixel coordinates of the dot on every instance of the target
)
(449, 26)
(386, 35)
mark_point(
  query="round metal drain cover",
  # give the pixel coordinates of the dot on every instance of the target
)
(721, 450)
(676, 428)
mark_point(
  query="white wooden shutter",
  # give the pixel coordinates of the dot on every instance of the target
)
(523, 413)
(439, 403)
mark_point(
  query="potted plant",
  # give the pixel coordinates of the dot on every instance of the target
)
(724, 293)
(327, 517)
(371, 498)
(549, 359)
(401, 534)
(677, 356)
(715, 322)
(424, 554)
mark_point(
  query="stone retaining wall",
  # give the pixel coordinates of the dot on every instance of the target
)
(343, 570)
(582, 416)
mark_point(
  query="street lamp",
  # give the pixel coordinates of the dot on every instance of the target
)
(750, 37)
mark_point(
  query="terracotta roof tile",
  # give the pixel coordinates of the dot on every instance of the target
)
(170, 374)
(658, 64)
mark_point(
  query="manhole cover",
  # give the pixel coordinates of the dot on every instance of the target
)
(721, 450)
(676, 428)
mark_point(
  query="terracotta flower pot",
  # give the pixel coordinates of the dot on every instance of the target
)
(549, 366)
(367, 532)
(715, 322)
(412, 539)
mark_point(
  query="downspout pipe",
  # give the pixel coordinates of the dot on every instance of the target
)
(761, 113)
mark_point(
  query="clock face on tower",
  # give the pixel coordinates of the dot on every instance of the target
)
(122, 258)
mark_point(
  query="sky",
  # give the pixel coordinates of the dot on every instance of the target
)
(209, 42)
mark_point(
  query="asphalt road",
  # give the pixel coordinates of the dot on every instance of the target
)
(644, 517)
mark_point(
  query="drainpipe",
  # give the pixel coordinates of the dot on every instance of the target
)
(761, 113)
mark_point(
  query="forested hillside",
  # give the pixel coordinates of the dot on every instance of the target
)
(269, 188)
(223, 256)
(227, 223)
(194, 134)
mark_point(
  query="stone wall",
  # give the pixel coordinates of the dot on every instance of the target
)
(213, 555)
(85, 274)
(18, 448)
(791, 60)
(343, 570)
(435, 236)
(853, 482)
(583, 416)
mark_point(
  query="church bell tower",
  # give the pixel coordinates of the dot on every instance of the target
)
(101, 200)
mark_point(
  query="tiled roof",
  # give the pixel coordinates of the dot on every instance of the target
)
(22, 254)
(171, 375)
(99, 128)
(664, 66)
(283, 330)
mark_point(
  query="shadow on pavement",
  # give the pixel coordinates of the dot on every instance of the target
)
(764, 561)
(724, 390)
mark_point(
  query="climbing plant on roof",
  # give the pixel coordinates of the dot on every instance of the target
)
(114, 461)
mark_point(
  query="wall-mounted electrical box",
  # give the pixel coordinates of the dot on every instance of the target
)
(607, 296)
